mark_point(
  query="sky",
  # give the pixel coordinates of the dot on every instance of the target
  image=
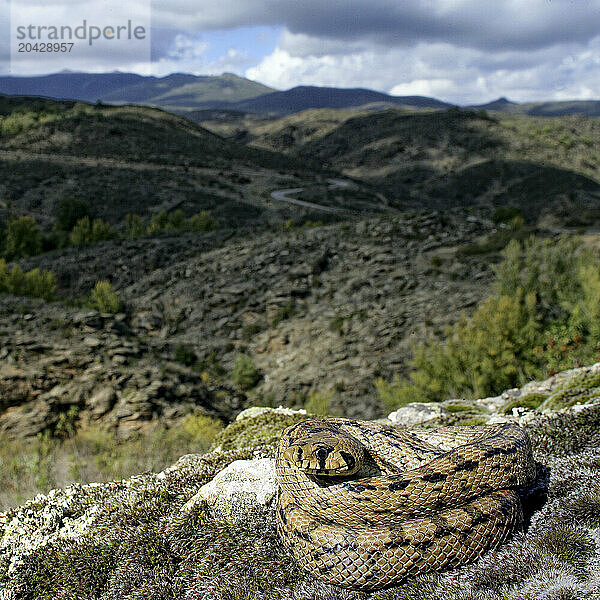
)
(460, 51)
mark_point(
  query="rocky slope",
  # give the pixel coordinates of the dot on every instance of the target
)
(326, 308)
(155, 536)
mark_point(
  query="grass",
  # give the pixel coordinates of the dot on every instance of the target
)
(32, 466)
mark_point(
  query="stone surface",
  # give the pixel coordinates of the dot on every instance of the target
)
(243, 485)
(417, 412)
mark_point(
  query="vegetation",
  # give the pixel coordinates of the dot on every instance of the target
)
(23, 238)
(176, 221)
(244, 373)
(318, 403)
(104, 298)
(544, 317)
(88, 232)
(34, 283)
(185, 355)
(69, 211)
(62, 456)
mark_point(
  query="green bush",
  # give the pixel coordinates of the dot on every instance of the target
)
(69, 211)
(506, 214)
(23, 238)
(185, 355)
(104, 298)
(176, 221)
(244, 373)
(134, 226)
(87, 232)
(318, 403)
(543, 318)
(202, 222)
(35, 283)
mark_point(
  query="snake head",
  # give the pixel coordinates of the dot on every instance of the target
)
(321, 458)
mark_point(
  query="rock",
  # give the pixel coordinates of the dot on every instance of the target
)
(254, 411)
(102, 401)
(417, 412)
(243, 485)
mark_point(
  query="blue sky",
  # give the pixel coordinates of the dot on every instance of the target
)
(462, 51)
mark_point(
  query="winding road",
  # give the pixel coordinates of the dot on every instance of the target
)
(283, 196)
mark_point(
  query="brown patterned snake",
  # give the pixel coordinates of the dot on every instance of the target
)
(363, 506)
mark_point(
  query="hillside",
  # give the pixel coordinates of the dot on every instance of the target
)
(174, 91)
(134, 160)
(306, 97)
(584, 108)
(449, 158)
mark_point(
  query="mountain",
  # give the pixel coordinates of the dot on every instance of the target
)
(183, 92)
(585, 108)
(178, 90)
(305, 97)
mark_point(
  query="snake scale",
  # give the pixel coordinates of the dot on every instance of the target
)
(364, 506)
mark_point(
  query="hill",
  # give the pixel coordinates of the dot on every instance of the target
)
(306, 97)
(132, 160)
(175, 91)
(585, 108)
(435, 159)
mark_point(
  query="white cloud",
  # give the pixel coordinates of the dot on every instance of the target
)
(441, 70)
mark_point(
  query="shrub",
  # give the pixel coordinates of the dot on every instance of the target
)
(202, 222)
(23, 238)
(35, 283)
(544, 317)
(86, 232)
(69, 211)
(104, 298)
(185, 355)
(201, 430)
(244, 373)
(134, 226)
(318, 403)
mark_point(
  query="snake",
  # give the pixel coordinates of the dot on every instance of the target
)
(365, 506)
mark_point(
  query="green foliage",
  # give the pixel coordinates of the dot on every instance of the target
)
(244, 373)
(66, 425)
(201, 430)
(201, 222)
(69, 211)
(134, 226)
(23, 238)
(544, 317)
(104, 298)
(87, 232)
(176, 221)
(34, 283)
(185, 355)
(318, 403)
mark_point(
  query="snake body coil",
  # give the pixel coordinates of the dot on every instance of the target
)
(364, 506)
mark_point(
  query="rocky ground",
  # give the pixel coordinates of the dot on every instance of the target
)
(158, 536)
(327, 308)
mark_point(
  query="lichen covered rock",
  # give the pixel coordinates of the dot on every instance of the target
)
(146, 537)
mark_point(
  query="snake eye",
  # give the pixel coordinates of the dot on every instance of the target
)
(322, 454)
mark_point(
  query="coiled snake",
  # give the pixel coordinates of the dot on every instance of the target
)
(363, 506)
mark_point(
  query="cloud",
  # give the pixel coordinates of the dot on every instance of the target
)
(463, 23)
(441, 70)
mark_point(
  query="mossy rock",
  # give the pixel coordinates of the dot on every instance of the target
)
(464, 406)
(531, 401)
(459, 418)
(262, 430)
